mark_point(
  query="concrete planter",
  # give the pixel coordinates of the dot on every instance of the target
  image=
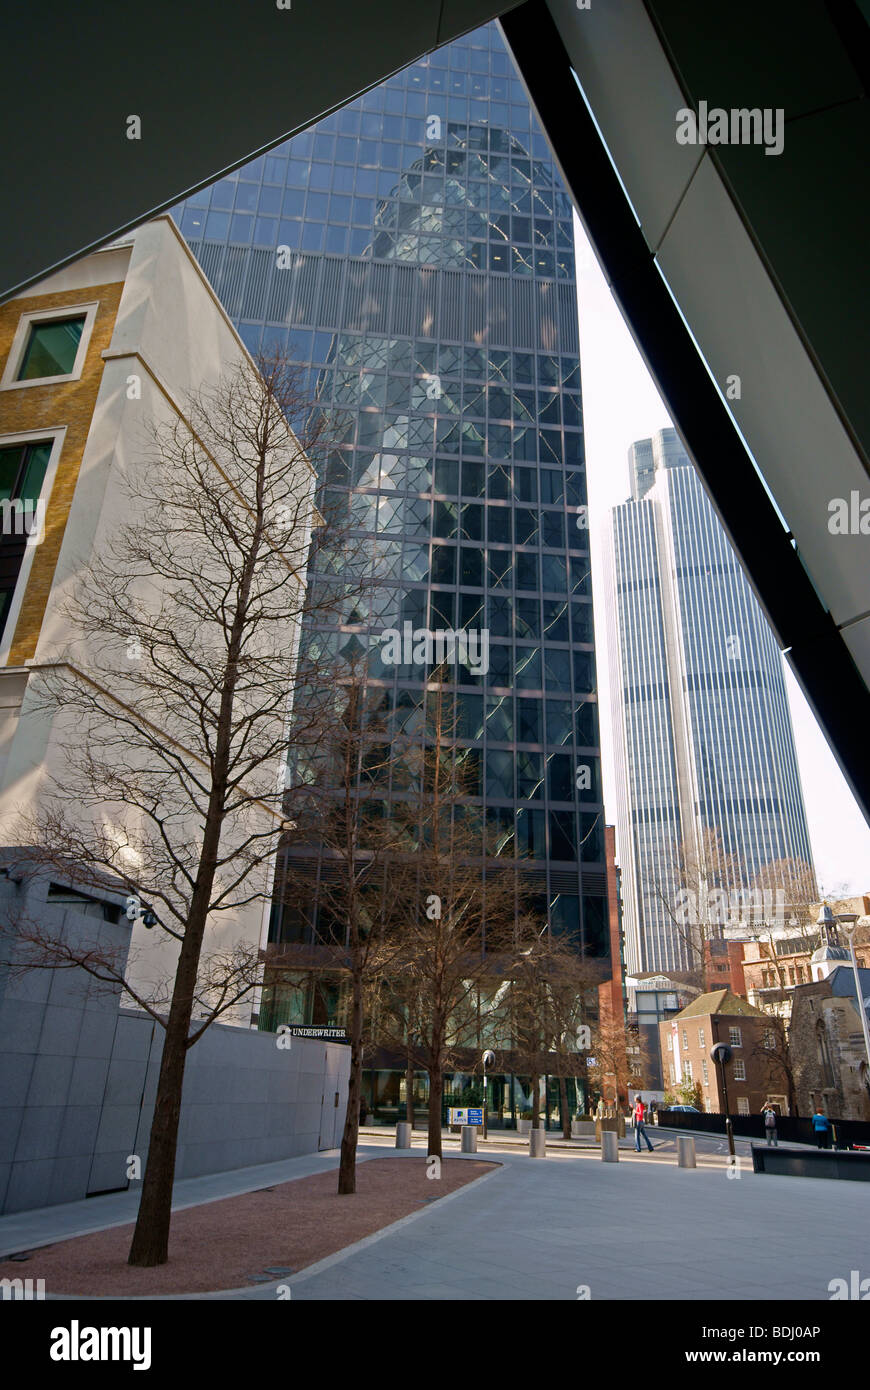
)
(614, 1123)
(581, 1129)
(469, 1139)
(524, 1126)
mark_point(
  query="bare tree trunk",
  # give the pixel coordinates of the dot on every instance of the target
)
(535, 1101)
(563, 1108)
(150, 1244)
(350, 1135)
(409, 1092)
(792, 1096)
(436, 1091)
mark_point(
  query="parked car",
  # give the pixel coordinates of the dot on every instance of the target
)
(691, 1109)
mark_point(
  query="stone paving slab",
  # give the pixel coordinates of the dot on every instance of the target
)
(537, 1229)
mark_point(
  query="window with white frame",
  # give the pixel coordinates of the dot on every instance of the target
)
(49, 346)
(685, 1041)
(735, 1037)
(28, 466)
(706, 1073)
(742, 1105)
(23, 467)
(739, 1069)
(700, 1037)
(687, 1069)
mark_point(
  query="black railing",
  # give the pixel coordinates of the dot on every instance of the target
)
(796, 1128)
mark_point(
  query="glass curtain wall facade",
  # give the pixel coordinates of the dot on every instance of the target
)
(701, 722)
(416, 251)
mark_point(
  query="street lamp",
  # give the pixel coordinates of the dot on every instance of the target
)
(721, 1054)
(487, 1060)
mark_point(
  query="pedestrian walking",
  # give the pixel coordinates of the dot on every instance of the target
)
(821, 1127)
(639, 1126)
(770, 1126)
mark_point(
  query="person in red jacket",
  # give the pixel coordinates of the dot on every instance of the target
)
(639, 1126)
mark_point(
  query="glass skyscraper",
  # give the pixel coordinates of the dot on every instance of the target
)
(416, 250)
(702, 731)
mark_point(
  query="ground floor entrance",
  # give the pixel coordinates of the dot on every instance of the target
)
(508, 1097)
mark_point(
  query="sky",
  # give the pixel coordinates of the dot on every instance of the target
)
(621, 405)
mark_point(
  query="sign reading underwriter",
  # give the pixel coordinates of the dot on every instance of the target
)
(304, 1030)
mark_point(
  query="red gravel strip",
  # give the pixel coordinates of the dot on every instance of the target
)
(219, 1245)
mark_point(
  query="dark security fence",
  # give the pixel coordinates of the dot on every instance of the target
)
(797, 1128)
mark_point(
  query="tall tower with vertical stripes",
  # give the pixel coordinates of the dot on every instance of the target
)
(702, 728)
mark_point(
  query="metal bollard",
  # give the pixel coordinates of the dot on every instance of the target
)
(686, 1151)
(537, 1143)
(468, 1141)
(609, 1146)
(403, 1135)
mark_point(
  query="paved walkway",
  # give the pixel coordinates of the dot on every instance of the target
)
(540, 1228)
(638, 1229)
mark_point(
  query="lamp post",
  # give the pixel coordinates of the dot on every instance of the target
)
(486, 1060)
(721, 1054)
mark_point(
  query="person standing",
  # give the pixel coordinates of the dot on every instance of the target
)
(639, 1129)
(821, 1127)
(770, 1126)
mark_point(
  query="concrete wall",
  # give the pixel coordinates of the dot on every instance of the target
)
(78, 1077)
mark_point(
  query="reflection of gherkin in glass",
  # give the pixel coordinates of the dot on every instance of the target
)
(447, 208)
(430, 286)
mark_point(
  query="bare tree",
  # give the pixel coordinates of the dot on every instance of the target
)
(457, 907)
(698, 894)
(571, 981)
(344, 817)
(621, 1055)
(793, 881)
(771, 1052)
(175, 694)
(543, 1005)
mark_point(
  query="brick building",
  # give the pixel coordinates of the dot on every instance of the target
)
(723, 964)
(753, 1074)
